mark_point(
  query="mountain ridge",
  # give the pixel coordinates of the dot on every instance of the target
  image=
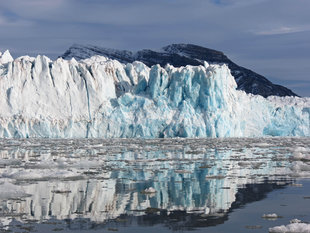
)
(182, 55)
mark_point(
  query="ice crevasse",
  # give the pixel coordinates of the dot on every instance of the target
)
(99, 97)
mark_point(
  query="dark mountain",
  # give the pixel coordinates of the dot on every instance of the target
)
(185, 54)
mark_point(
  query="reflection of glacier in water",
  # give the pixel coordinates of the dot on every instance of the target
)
(100, 180)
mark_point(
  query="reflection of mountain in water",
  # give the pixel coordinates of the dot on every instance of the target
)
(105, 181)
(181, 220)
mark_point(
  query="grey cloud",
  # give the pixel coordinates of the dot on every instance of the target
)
(284, 30)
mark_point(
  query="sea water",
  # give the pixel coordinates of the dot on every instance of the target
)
(136, 185)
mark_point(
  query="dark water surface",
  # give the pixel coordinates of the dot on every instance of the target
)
(135, 185)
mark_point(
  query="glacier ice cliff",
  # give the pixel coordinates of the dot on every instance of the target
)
(99, 97)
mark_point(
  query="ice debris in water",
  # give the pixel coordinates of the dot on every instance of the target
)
(295, 220)
(99, 97)
(270, 216)
(301, 159)
(294, 226)
(9, 190)
(149, 190)
(139, 165)
(217, 177)
(301, 153)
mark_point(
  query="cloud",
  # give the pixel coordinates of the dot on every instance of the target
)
(283, 30)
(237, 3)
(7, 22)
(31, 4)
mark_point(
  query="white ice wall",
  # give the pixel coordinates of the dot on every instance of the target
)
(98, 97)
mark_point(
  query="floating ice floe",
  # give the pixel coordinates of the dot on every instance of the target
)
(301, 162)
(217, 177)
(149, 190)
(301, 153)
(296, 226)
(271, 216)
(11, 191)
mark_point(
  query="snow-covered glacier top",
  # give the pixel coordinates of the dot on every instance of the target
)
(99, 97)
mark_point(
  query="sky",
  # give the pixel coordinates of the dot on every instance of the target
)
(270, 37)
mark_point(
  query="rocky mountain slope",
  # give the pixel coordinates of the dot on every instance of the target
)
(182, 55)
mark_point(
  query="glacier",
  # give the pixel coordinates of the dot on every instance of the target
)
(103, 98)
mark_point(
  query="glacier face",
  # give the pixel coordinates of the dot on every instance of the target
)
(99, 97)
